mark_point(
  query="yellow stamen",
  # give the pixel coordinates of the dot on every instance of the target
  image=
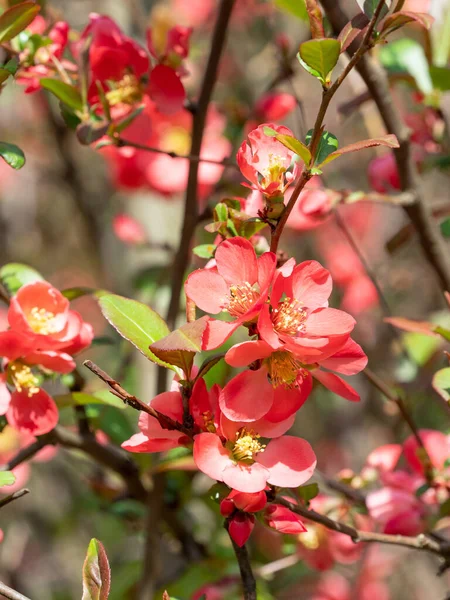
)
(285, 369)
(42, 321)
(242, 298)
(209, 422)
(247, 445)
(127, 91)
(23, 378)
(275, 171)
(289, 318)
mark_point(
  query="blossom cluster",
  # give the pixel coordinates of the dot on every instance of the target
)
(42, 337)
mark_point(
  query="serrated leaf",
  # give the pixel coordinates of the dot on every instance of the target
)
(308, 492)
(393, 22)
(441, 383)
(369, 7)
(12, 155)
(16, 19)
(320, 56)
(82, 399)
(291, 143)
(408, 56)
(14, 275)
(7, 478)
(315, 19)
(180, 347)
(327, 145)
(204, 250)
(389, 141)
(135, 322)
(294, 7)
(96, 573)
(66, 93)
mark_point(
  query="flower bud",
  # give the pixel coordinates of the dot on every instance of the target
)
(283, 520)
(240, 527)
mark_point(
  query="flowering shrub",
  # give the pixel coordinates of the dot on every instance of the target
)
(227, 457)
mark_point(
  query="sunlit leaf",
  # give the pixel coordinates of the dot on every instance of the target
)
(14, 275)
(441, 383)
(66, 93)
(7, 478)
(135, 322)
(204, 250)
(294, 7)
(82, 399)
(291, 143)
(389, 141)
(408, 56)
(327, 145)
(12, 155)
(96, 573)
(308, 492)
(16, 19)
(319, 57)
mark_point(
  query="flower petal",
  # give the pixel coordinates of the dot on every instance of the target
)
(241, 355)
(290, 460)
(36, 414)
(236, 261)
(217, 332)
(329, 321)
(5, 396)
(141, 443)
(166, 89)
(245, 478)
(349, 360)
(247, 397)
(207, 289)
(210, 456)
(336, 385)
(287, 401)
(311, 284)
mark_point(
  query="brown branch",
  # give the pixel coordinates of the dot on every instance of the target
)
(327, 96)
(165, 421)
(421, 542)
(190, 218)
(7, 592)
(245, 568)
(226, 162)
(420, 213)
(14, 496)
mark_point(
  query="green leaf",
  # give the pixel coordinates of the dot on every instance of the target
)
(96, 573)
(445, 228)
(407, 56)
(66, 93)
(422, 489)
(293, 7)
(440, 76)
(221, 212)
(135, 322)
(308, 492)
(444, 509)
(319, 57)
(291, 143)
(78, 292)
(443, 332)
(369, 7)
(250, 227)
(14, 275)
(7, 478)
(204, 250)
(16, 19)
(327, 145)
(393, 22)
(389, 141)
(12, 155)
(82, 399)
(441, 383)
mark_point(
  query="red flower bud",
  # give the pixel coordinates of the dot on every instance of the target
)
(248, 502)
(240, 527)
(227, 507)
(283, 520)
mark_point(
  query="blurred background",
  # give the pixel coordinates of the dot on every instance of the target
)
(59, 214)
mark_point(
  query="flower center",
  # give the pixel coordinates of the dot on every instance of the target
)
(24, 379)
(247, 445)
(285, 369)
(42, 321)
(242, 298)
(289, 317)
(208, 421)
(275, 171)
(126, 91)
(176, 139)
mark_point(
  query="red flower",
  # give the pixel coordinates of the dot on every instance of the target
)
(274, 106)
(245, 465)
(266, 163)
(383, 174)
(128, 230)
(239, 284)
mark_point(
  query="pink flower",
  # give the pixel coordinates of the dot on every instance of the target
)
(266, 163)
(437, 446)
(274, 106)
(238, 284)
(128, 230)
(383, 174)
(245, 465)
(32, 412)
(312, 208)
(283, 520)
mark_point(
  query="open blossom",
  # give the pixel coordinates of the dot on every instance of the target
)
(238, 284)
(266, 163)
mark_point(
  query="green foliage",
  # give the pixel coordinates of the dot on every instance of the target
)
(445, 228)
(135, 322)
(406, 56)
(293, 7)
(96, 573)
(82, 399)
(66, 93)
(327, 145)
(16, 19)
(319, 57)
(440, 76)
(308, 492)
(14, 275)
(369, 7)
(6, 478)
(12, 155)
(204, 250)
(441, 383)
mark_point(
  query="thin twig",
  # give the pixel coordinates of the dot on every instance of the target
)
(14, 496)
(420, 213)
(420, 542)
(226, 162)
(190, 218)
(245, 568)
(327, 96)
(7, 592)
(165, 421)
